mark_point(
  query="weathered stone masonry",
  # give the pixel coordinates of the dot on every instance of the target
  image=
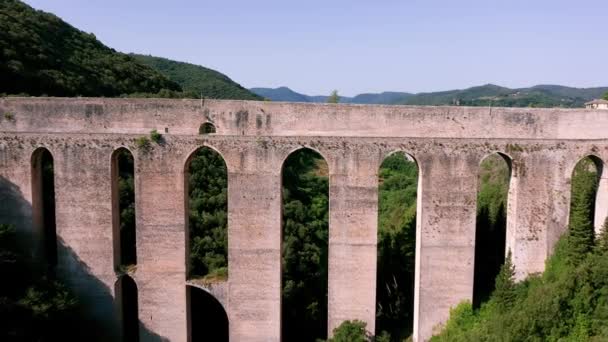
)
(254, 138)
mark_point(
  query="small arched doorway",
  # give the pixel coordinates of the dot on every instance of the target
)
(207, 128)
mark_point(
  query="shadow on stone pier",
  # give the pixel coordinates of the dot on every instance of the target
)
(97, 312)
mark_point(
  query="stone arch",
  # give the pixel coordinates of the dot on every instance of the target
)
(303, 147)
(398, 232)
(207, 318)
(123, 208)
(600, 200)
(43, 203)
(207, 128)
(210, 180)
(128, 308)
(494, 193)
(304, 184)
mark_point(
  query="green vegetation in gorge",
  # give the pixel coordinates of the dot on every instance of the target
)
(126, 207)
(352, 331)
(208, 215)
(398, 182)
(568, 302)
(491, 225)
(196, 80)
(33, 306)
(305, 246)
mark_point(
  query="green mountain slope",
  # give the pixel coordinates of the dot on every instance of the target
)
(196, 80)
(281, 94)
(41, 54)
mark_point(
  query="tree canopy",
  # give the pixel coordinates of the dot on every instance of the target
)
(196, 80)
(40, 54)
(333, 97)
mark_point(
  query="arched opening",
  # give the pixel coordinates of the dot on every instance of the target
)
(491, 229)
(584, 197)
(397, 207)
(207, 319)
(305, 213)
(206, 128)
(43, 203)
(206, 180)
(601, 198)
(126, 296)
(123, 209)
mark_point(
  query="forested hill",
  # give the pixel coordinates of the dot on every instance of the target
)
(40, 54)
(197, 80)
(489, 94)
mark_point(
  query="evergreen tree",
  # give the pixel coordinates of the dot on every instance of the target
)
(602, 238)
(333, 97)
(581, 233)
(504, 292)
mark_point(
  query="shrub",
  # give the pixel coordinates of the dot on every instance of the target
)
(155, 136)
(9, 116)
(351, 331)
(143, 143)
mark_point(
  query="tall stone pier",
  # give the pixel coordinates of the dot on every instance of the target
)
(542, 146)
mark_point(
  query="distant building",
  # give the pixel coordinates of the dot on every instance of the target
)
(597, 104)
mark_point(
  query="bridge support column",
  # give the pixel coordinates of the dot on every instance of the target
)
(161, 255)
(254, 245)
(16, 195)
(445, 247)
(353, 203)
(83, 205)
(539, 201)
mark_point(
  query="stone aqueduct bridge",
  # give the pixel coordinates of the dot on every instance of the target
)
(254, 138)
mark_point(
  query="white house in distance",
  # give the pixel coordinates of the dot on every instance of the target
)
(597, 104)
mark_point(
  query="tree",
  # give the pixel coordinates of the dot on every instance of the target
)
(333, 97)
(606, 96)
(602, 239)
(504, 292)
(351, 331)
(581, 234)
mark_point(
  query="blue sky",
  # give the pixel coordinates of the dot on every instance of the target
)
(315, 46)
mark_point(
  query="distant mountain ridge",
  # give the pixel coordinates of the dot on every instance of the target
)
(287, 95)
(485, 95)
